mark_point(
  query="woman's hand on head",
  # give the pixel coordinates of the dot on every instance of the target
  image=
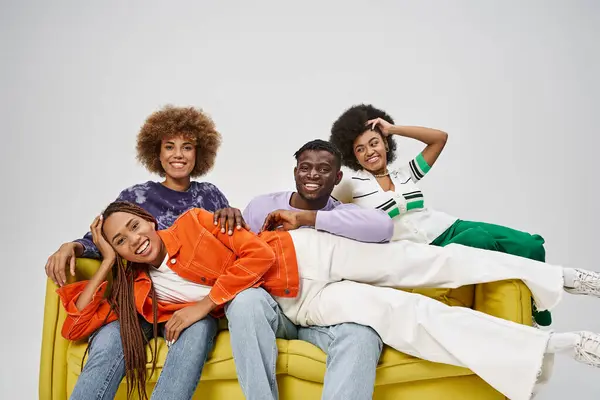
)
(227, 218)
(60, 260)
(105, 249)
(381, 125)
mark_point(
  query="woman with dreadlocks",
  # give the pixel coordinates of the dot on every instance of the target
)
(179, 275)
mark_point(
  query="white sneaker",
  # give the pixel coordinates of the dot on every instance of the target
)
(585, 282)
(587, 349)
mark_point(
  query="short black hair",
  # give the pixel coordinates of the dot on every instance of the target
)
(319, 144)
(350, 125)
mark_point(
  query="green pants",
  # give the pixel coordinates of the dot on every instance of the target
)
(498, 238)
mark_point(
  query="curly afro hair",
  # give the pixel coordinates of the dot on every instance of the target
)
(350, 125)
(172, 121)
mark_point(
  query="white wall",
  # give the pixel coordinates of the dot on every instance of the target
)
(514, 83)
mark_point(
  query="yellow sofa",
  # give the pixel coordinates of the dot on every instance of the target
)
(300, 366)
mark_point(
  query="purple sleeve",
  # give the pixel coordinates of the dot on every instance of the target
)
(250, 213)
(354, 222)
(89, 248)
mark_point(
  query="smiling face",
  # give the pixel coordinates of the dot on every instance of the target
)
(370, 151)
(316, 174)
(178, 157)
(133, 238)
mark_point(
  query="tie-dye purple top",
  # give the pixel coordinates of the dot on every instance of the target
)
(164, 204)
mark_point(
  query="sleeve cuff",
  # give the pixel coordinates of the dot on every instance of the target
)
(69, 294)
(321, 220)
(422, 164)
(218, 296)
(88, 251)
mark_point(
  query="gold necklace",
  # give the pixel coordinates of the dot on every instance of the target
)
(386, 173)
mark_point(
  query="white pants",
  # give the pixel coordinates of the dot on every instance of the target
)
(505, 354)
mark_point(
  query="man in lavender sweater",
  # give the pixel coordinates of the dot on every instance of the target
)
(352, 350)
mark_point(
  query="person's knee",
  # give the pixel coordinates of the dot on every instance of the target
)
(251, 303)
(481, 239)
(105, 347)
(199, 337)
(535, 248)
(203, 330)
(359, 338)
(107, 340)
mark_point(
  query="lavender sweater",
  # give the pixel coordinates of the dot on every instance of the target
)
(348, 220)
(164, 204)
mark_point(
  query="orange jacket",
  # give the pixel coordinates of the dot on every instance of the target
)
(199, 252)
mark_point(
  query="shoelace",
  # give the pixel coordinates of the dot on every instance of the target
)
(588, 349)
(588, 282)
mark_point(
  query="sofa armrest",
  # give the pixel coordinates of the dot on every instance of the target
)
(509, 300)
(53, 360)
(85, 268)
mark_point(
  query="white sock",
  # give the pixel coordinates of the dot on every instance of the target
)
(569, 275)
(562, 341)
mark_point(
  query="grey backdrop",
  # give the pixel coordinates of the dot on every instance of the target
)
(514, 83)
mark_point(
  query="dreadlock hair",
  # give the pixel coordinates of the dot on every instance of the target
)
(350, 125)
(319, 144)
(122, 301)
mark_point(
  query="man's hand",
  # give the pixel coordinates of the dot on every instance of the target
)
(288, 220)
(227, 218)
(185, 317)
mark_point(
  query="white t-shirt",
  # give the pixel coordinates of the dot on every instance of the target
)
(171, 288)
(406, 205)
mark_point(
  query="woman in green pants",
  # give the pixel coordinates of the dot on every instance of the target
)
(363, 134)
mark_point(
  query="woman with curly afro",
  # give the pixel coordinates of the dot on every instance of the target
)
(364, 134)
(178, 144)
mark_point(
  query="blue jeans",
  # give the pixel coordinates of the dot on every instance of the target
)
(186, 357)
(105, 368)
(255, 320)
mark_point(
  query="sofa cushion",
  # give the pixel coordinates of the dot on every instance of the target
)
(305, 361)
(296, 358)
